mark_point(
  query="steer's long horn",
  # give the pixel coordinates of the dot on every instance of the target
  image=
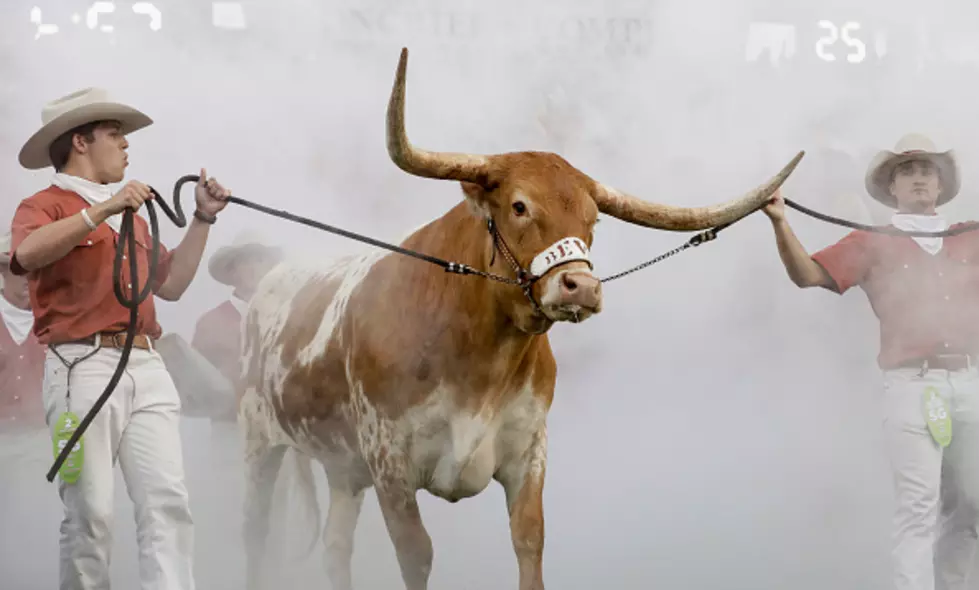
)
(669, 217)
(413, 160)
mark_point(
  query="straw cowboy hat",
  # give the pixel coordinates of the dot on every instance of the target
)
(912, 146)
(78, 108)
(246, 243)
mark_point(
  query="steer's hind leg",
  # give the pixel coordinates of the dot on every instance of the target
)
(346, 500)
(404, 523)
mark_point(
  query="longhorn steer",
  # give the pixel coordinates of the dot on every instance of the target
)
(397, 375)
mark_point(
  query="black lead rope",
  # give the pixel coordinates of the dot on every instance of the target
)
(525, 279)
(883, 229)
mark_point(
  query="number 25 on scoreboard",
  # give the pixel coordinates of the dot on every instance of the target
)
(858, 49)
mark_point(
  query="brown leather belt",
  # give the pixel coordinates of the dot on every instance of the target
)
(946, 362)
(116, 340)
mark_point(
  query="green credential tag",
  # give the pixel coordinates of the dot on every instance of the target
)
(937, 416)
(63, 429)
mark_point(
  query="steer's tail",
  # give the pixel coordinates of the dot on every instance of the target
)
(306, 507)
(306, 486)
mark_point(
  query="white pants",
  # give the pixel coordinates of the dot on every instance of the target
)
(138, 428)
(936, 490)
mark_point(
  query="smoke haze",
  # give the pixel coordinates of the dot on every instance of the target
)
(714, 427)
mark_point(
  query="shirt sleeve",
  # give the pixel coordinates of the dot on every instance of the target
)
(848, 261)
(30, 215)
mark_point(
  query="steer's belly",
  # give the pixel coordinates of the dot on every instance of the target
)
(462, 471)
(457, 453)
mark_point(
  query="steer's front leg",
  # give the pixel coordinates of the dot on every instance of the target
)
(523, 481)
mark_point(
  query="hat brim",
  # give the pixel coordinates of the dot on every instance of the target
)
(220, 264)
(880, 173)
(34, 154)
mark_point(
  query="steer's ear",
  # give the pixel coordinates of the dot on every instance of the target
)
(478, 198)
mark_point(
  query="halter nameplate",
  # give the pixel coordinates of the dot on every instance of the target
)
(563, 251)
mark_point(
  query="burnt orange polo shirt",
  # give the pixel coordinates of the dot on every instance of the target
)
(73, 298)
(927, 304)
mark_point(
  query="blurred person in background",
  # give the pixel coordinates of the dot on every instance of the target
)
(923, 292)
(21, 355)
(22, 430)
(25, 448)
(64, 240)
(217, 335)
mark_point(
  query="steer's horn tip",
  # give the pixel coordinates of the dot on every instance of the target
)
(790, 167)
(403, 63)
(786, 171)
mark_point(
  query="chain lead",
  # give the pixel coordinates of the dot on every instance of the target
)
(701, 238)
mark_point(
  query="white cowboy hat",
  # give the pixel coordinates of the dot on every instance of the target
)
(78, 108)
(246, 243)
(912, 146)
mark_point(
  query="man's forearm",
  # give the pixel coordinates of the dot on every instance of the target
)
(52, 242)
(185, 259)
(802, 269)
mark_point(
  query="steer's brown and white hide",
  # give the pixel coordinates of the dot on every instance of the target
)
(395, 374)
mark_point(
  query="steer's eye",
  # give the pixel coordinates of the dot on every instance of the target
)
(519, 207)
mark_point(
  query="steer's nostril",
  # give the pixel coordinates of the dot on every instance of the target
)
(569, 283)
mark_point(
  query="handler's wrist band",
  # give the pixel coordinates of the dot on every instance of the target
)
(205, 217)
(88, 220)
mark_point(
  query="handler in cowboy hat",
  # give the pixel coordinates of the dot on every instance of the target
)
(21, 355)
(217, 336)
(923, 292)
(64, 240)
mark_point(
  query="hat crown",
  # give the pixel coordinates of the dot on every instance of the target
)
(915, 142)
(247, 238)
(73, 101)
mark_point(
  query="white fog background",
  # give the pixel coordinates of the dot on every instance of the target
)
(714, 427)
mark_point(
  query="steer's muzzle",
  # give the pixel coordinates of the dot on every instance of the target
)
(572, 294)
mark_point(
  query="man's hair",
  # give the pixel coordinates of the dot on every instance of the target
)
(60, 149)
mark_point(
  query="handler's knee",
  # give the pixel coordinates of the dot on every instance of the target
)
(87, 526)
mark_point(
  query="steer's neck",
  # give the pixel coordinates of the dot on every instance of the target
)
(468, 315)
